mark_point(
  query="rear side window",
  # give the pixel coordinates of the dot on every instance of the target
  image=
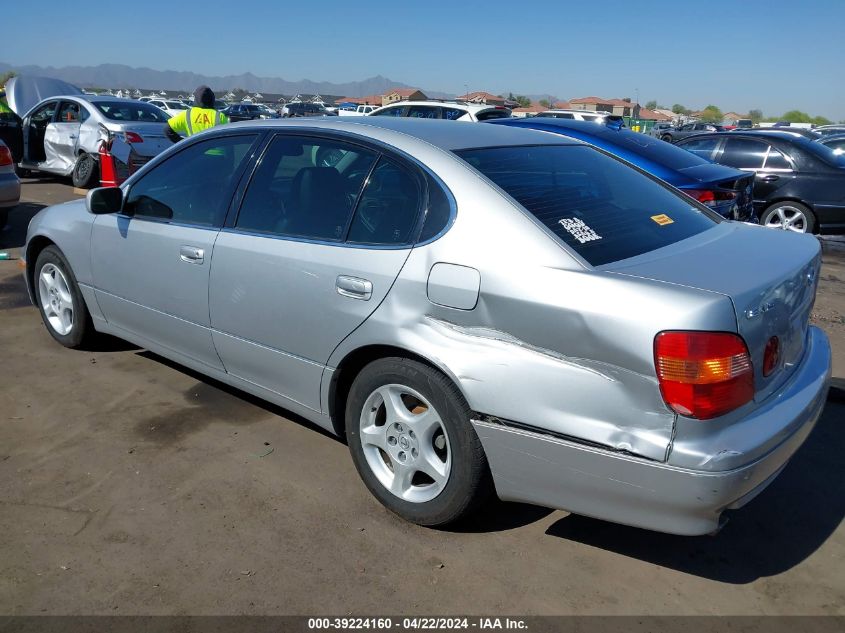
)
(701, 147)
(601, 208)
(452, 114)
(305, 187)
(388, 208)
(487, 115)
(423, 112)
(776, 160)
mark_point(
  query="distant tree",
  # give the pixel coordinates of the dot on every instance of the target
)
(820, 120)
(796, 116)
(628, 99)
(679, 109)
(545, 103)
(756, 116)
(522, 100)
(651, 105)
(712, 113)
(7, 76)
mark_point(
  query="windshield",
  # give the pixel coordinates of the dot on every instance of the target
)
(175, 105)
(131, 111)
(598, 206)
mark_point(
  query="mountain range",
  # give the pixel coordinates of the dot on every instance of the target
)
(121, 76)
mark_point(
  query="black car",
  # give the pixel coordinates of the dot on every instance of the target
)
(836, 142)
(673, 135)
(247, 112)
(11, 135)
(799, 184)
(297, 109)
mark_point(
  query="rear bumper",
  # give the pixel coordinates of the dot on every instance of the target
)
(549, 471)
(10, 190)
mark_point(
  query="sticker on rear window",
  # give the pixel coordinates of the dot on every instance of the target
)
(579, 230)
(662, 219)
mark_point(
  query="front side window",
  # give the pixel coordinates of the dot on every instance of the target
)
(701, 147)
(305, 187)
(598, 206)
(191, 186)
(744, 153)
(45, 113)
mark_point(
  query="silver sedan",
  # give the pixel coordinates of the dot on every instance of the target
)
(62, 128)
(476, 309)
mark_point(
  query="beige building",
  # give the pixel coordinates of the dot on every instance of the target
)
(403, 94)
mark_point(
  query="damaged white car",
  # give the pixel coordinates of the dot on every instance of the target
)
(62, 128)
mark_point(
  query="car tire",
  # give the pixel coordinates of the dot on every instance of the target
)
(405, 420)
(666, 137)
(789, 216)
(60, 301)
(85, 172)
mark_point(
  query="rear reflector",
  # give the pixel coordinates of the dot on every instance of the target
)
(703, 374)
(771, 357)
(711, 197)
(5, 156)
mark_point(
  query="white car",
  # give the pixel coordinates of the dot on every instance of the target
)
(449, 110)
(575, 115)
(171, 106)
(361, 110)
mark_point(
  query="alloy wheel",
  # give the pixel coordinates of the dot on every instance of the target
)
(405, 443)
(788, 218)
(56, 299)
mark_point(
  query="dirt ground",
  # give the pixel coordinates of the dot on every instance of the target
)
(129, 485)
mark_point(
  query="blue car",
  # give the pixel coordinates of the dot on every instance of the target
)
(725, 190)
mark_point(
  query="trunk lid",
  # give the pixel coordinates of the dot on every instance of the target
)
(155, 140)
(770, 276)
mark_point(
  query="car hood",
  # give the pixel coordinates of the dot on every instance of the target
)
(25, 92)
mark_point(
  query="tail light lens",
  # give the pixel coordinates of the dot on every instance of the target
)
(771, 357)
(711, 197)
(133, 137)
(5, 156)
(703, 374)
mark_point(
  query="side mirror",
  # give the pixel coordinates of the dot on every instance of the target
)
(104, 200)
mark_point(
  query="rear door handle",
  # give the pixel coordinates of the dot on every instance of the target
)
(354, 287)
(191, 254)
(769, 178)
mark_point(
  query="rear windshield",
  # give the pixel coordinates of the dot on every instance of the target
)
(131, 111)
(488, 115)
(598, 206)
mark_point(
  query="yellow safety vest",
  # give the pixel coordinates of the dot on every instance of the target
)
(195, 120)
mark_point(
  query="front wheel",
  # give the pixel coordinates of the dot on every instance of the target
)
(85, 173)
(60, 301)
(789, 216)
(409, 432)
(666, 138)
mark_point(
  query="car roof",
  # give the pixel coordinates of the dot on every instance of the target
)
(471, 107)
(573, 111)
(447, 135)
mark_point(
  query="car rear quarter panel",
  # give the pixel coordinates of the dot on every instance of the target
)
(550, 343)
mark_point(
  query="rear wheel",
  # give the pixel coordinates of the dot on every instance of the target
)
(666, 138)
(789, 216)
(60, 302)
(409, 432)
(85, 173)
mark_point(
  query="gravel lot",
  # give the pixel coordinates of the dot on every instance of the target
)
(129, 485)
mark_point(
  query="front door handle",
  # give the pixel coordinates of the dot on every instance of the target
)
(191, 254)
(769, 178)
(354, 287)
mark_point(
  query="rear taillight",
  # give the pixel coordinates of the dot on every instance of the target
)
(771, 357)
(711, 197)
(133, 137)
(703, 374)
(5, 156)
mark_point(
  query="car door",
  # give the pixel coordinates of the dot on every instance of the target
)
(750, 155)
(151, 261)
(61, 138)
(35, 128)
(313, 251)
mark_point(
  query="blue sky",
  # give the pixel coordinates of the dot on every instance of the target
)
(737, 55)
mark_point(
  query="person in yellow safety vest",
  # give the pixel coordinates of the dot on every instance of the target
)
(196, 119)
(5, 110)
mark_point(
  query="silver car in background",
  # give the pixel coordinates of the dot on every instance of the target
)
(475, 308)
(62, 128)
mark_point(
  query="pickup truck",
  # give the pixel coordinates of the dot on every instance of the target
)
(361, 110)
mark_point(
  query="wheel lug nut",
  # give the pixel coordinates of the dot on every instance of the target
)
(391, 440)
(411, 433)
(402, 456)
(414, 452)
(398, 427)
